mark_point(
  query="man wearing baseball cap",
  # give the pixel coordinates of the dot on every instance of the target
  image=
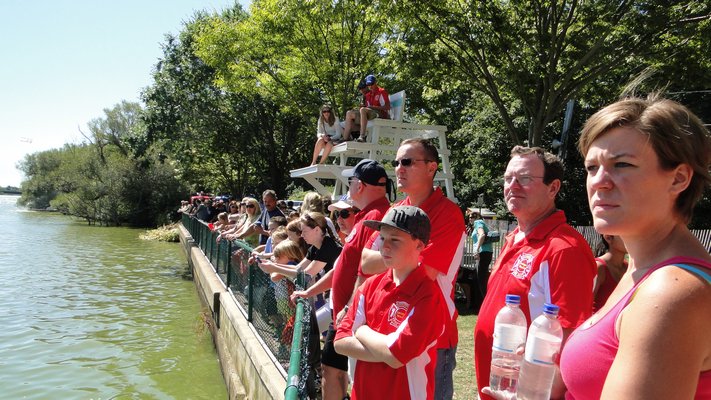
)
(415, 168)
(396, 317)
(367, 183)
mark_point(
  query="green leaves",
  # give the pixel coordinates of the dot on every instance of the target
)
(104, 180)
(235, 97)
(298, 53)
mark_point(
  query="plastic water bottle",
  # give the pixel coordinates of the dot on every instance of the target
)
(538, 370)
(509, 334)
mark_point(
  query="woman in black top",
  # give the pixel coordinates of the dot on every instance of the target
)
(323, 249)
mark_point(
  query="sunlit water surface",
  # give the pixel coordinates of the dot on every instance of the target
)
(92, 312)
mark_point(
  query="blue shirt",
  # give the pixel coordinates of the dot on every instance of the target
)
(486, 247)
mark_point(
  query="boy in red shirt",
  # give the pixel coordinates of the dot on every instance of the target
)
(396, 318)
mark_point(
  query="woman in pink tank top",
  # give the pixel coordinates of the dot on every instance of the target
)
(648, 164)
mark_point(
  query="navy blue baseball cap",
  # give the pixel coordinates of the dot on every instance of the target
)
(370, 79)
(368, 171)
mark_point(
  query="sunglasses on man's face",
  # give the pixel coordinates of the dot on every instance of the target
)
(406, 162)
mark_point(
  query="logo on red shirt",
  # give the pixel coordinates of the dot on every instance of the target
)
(522, 266)
(398, 312)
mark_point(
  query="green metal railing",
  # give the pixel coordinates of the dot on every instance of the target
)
(283, 326)
(299, 367)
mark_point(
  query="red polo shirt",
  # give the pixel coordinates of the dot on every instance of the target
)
(443, 253)
(346, 267)
(412, 315)
(552, 264)
(378, 97)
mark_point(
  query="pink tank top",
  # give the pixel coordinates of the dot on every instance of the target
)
(589, 352)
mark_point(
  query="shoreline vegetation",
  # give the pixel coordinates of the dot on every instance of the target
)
(10, 190)
(165, 233)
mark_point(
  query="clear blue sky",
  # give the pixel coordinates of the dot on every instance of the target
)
(63, 61)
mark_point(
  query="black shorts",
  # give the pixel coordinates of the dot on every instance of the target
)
(329, 356)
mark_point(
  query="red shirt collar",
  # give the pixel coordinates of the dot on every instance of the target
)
(375, 204)
(545, 227)
(429, 203)
(412, 282)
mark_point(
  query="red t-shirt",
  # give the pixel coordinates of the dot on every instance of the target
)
(346, 268)
(443, 253)
(412, 315)
(552, 264)
(608, 286)
(378, 97)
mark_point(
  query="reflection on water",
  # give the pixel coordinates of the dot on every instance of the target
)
(95, 313)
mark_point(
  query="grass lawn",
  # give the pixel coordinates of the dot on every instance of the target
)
(464, 381)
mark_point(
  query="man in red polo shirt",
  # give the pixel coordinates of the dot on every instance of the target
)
(396, 318)
(367, 189)
(415, 167)
(544, 260)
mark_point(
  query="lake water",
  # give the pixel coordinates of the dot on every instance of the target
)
(92, 312)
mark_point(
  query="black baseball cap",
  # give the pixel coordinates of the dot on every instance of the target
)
(368, 171)
(409, 219)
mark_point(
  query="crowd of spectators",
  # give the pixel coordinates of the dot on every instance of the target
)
(386, 275)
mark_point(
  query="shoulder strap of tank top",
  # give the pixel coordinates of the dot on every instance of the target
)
(696, 271)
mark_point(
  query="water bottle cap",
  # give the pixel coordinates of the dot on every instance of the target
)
(549, 308)
(513, 299)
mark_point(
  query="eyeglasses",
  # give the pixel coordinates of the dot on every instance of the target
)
(523, 180)
(326, 111)
(242, 204)
(250, 206)
(233, 206)
(345, 213)
(406, 162)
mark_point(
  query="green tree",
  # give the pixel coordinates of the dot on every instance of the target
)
(221, 140)
(299, 53)
(41, 184)
(531, 57)
(102, 180)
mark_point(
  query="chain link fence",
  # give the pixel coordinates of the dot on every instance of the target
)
(284, 327)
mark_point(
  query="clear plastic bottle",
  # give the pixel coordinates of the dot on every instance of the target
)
(538, 370)
(509, 334)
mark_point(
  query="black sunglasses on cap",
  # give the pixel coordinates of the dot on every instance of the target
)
(406, 162)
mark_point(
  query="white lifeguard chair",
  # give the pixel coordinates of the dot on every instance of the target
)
(384, 138)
